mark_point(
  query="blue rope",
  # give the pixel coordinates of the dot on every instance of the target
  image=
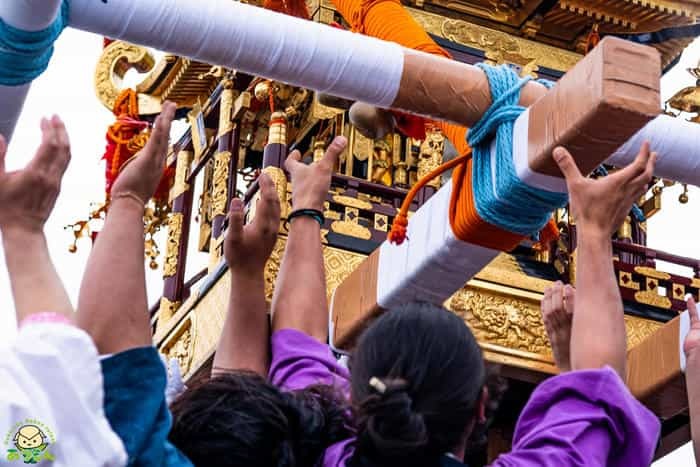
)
(24, 55)
(512, 205)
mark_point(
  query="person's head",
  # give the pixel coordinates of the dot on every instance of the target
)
(240, 418)
(417, 385)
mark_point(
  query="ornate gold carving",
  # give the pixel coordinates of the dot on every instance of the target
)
(361, 147)
(222, 161)
(118, 58)
(502, 320)
(506, 270)
(182, 171)
(500, 47)
(166, 312)
(198, 131)
(431, 156)
(352, 202)
(278, 129)
(382, 163)
(204, 211)
(639, 329)
(173, 244)
(381, 222)
(323, 112)
(228, 96)
(649, 297)
(695, 283)
(280, 180)
(626, 281)
(180, 344)
(651, 272)
(678, 291)
(351, 229)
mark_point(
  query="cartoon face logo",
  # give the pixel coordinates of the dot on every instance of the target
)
(30, 437)
(30, 444)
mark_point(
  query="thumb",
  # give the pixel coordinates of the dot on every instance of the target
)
(3, 153)
(292, 161)
(334, 151)
(567, 165)
(235, 222)
(157, 144)
(692, 311)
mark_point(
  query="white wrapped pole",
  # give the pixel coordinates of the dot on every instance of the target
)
(29, 15)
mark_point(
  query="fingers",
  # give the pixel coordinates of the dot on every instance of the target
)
(268, 216)
(567, 165)
(546, 304)
(63, 154)
(3, 153)
(569, 299)
(234, 234)
(693, 311)
(336, 148)
(157, 146)
(53, 154)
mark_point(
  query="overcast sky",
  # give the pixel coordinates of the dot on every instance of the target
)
(66, 89)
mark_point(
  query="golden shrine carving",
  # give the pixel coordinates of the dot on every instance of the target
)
(180, 345)
(351, 229)
(431, 156)
(222, 161)
(173, 244)
(182, 172)
(502, 320)
(118, 58)
(166, 311)
(352, 202)
(500, 47)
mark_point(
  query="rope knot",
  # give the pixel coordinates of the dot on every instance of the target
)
(399, 229)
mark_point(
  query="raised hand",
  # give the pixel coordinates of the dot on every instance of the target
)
(310, 183)
(139, 178)
(602, 205)
(28, 196)
(557, 313)
(247, 248)
(692, 340)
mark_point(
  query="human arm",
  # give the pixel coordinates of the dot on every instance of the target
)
(598, 335)
(244, 342)
(27, 198)
(112, 305)
(691, 348)
(300, 300)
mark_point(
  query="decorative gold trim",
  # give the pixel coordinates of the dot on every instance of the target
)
(280, 179)
(351, 229)
(228, 96)
(116, 59)
(676, 294)
(381, 222)
(629, 283)
(352, 202)
(500, 47)
(222, 161)
(182, 172)
(181, 344)
(198, 131)
(695, 283)
(651, 272)
(173, 244)
(649, 297)
(166, 312)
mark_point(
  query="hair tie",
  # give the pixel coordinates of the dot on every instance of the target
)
(377, 384)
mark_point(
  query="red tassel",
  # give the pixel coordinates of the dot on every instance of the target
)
(398, 229)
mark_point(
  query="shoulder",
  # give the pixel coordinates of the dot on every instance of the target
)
(299, 361)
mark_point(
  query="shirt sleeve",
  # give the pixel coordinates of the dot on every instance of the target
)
(52, 386)
(300, 361)
(583, 418)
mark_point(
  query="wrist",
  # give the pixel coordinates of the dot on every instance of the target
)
(247, 276)
(17, 235)
(592, 235)
(692, 357)
(127, 203)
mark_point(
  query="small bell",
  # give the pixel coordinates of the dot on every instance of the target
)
(683, 198)
(153, 265)
(262, 91)
(73, 248)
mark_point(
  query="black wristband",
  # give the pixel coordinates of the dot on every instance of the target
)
(313, 213)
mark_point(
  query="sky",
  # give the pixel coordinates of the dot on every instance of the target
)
(67, 89)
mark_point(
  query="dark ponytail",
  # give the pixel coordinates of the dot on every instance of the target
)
(239, 418)
(417, 377)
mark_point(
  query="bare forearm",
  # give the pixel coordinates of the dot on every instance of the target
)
(36, 286)
(598, 335)
(692, 379)
(112, 306)
(244, 342)
(300, 300)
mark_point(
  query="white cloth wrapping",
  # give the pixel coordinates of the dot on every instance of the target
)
(51, 374)
(30, 15)
(255, 41)
(676, 142)
(432, 264)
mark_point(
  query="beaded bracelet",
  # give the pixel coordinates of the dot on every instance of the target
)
(313, 213)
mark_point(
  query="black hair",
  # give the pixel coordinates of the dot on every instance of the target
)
(417, 379)
(241, 419)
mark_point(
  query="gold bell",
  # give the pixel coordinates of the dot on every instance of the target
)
(73, 248)
(262, 91)
(683, 198)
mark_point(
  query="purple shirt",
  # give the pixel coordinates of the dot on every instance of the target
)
(578, 418)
